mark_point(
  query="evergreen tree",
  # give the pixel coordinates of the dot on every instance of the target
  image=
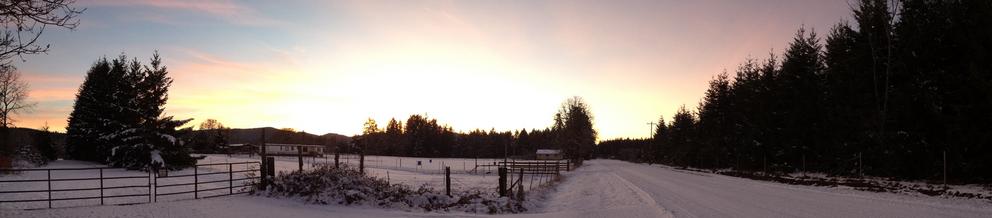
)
(887, 95)
(684, 149)
(394, 137)
(43, 141)
(117, 118)
(89, 110)
(715, 126)
(749, 101)
(801, 95)
(659, 141)
(574, 129)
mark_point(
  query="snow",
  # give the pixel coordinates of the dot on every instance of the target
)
(157, 158)
(172, 139)
(548, 151)
(694, 194)
(142, 184)
(595, 190)
(430, 172)
(600, 188)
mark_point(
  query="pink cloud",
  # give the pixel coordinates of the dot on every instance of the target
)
(227, 10)
(52, 94)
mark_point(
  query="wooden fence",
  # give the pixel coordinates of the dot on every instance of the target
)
(150, 185)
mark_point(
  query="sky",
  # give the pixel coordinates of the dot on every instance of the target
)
(327, 66)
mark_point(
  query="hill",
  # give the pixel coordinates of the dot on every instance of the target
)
(273, 135)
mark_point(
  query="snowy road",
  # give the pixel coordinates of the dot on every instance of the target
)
(692, 194)
(600, 188)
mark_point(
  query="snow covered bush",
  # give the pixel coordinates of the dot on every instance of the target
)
(347, 186)
(28, 156)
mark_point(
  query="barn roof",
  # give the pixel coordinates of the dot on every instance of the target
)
(548, 151)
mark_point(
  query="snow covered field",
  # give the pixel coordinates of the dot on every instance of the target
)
(601, 188)
(405, 170)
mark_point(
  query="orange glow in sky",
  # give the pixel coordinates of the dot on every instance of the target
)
(326, 67)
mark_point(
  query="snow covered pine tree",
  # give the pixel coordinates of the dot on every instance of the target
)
(117, 118)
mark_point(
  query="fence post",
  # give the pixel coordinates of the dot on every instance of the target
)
(299, 156)
(361, 163)
(520, 185)
(272, 168)
(804, 165)
(337, 158)
(447, 181)
(49, 188)
(502, 182)
(152, 177)
(196, 182)
(230, 178)
(101, 186)
(265, 169)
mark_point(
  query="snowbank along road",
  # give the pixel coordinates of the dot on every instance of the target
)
(601, 188)
(691, 194)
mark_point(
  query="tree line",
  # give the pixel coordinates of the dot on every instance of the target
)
(904, 86)
(422, 136)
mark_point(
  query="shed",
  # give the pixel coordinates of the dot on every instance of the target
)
(549, 154)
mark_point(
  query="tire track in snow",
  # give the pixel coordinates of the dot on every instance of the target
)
(596, 191)
(708, 195)
(645, 196)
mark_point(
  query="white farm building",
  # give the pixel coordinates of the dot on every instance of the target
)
(549, 154)
(293, 149)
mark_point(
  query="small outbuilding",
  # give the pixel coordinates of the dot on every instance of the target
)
(293, 149)
(549, 154)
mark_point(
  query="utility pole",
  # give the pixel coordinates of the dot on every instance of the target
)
(265, 162)
(263, 143)
(861, 171)
(651, 129)
(945, 168)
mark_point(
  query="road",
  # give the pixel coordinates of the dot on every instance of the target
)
(600, 188)
(604, 188)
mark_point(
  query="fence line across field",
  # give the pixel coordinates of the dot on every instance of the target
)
(149, 184)
(521, 174)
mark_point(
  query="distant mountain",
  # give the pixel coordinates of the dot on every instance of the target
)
(273, 135)
(25, 136)
(20, 135)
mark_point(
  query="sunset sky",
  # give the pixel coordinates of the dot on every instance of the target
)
(326, 66)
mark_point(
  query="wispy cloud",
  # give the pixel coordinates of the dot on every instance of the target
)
(229, 11)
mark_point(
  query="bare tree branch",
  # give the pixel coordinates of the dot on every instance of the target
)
(13, 95)
(25, 20)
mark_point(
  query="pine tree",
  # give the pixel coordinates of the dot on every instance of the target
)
(801, 95)
(715, 125)
(394, 137)
(574, 129)
(43, 141)
(88, 115)
(117, 118)
(659, 141)
(684, 149)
